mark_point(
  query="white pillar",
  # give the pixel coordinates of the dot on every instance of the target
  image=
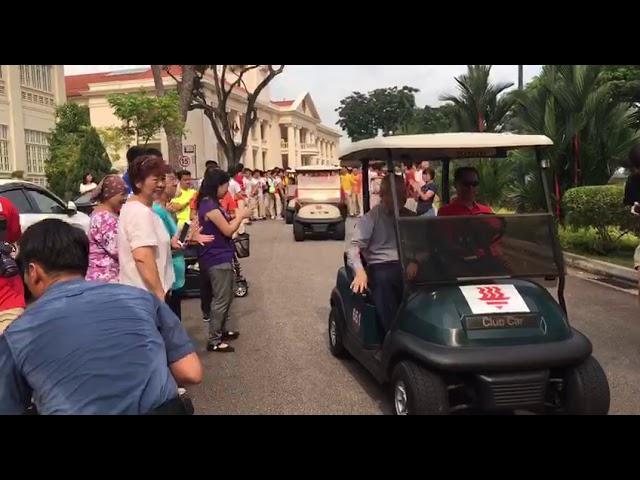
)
(17, 147)
(291, 142)
(298, 147)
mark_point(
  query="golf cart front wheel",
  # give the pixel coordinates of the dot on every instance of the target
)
(587, 389)
(298, 231)
(335, 333)
(417, 391)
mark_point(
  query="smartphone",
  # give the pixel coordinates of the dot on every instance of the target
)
(184, 232)
(636, 208)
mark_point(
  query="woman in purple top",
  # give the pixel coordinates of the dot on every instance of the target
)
(217, 257)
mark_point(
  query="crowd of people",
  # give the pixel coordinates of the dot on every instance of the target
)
(104, 332)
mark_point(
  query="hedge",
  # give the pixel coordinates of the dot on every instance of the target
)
(601, 208)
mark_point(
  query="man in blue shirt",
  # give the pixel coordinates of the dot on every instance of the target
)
(85, 347)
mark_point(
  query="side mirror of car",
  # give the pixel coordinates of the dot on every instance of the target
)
(71, 208)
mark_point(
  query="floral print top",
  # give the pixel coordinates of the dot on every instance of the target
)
(103, 247)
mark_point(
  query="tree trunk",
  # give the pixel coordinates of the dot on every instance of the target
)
(576, 160)
(174, 140)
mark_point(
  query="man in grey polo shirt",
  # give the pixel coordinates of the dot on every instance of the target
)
(375, 240)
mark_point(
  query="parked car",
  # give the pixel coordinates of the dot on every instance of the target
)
(84, 203)
(36, 203)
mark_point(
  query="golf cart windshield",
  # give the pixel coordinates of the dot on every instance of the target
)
(322, 186)
(450, 249)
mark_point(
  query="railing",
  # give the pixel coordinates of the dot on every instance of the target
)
(284, 145)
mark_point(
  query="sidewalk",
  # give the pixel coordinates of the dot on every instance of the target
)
(597, 267)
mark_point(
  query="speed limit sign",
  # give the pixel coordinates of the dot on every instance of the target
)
(184, 161)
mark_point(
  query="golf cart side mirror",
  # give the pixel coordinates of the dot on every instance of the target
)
(71, 208)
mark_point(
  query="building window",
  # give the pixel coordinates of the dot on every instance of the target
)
(37, 77)
(37, 144)
(4, 149)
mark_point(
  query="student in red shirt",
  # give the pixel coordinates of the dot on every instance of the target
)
(12, 301)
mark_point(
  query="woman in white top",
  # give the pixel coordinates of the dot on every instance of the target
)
(87, 183)
(144, 245)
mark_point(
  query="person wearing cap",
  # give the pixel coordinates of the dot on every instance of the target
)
(12, 300)
(111, 193)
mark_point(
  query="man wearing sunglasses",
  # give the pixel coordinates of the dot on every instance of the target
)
(467, 181)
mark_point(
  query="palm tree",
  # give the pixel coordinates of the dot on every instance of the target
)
(479, 106)
(590, 130)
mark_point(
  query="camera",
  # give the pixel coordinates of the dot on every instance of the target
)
(8, 266)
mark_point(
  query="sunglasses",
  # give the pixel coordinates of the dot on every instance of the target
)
(471, 184)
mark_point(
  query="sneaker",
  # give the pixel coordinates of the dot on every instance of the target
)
(206, 319)
(219, 348)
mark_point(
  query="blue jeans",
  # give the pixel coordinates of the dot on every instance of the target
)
(386, 286)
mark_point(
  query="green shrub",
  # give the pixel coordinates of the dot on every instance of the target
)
(600, 208)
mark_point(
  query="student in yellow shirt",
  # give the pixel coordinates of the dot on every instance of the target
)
(346, 183)
(180, 205)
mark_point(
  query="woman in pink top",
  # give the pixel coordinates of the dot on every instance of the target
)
(103, 230)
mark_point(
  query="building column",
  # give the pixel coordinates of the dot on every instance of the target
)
(291, 146)
(17, 147)
(298, 148)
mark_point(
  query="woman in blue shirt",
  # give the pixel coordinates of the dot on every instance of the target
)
(174, 296)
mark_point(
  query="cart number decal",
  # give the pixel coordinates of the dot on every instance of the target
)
(356, 319)
(494, 299)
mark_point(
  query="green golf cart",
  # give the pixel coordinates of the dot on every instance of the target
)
(478, 329)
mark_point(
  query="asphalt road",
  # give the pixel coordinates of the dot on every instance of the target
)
(282, 363)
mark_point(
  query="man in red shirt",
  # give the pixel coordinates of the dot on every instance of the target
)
(467, 181)
(12, 301)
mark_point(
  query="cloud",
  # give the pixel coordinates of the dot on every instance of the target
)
(328, 84)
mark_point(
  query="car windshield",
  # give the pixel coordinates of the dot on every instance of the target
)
(319, 187)
(450, 249)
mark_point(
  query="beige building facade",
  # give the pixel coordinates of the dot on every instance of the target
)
(29, 95)
(288, 133)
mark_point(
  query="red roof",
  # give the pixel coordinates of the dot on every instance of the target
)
(283, 103)
(78, 84)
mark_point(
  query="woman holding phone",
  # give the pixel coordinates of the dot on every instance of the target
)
(174, 295)
(217, 257)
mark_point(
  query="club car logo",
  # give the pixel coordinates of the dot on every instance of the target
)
(356, 319)
(493, 296)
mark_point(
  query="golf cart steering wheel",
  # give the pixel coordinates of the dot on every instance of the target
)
(480, 237)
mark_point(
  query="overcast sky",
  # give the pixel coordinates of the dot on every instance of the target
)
(328, 84)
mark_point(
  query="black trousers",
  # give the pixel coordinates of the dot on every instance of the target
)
(174, 300)
(386, 286)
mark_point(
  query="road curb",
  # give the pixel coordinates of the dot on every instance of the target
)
(599, 267)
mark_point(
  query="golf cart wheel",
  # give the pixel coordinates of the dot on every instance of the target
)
(339, 233)
(335, 334)
(587, 389)
(242, 289)
(288, 217)
(298, 231)
(417, 391)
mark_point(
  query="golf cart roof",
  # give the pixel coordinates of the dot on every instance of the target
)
(439, 146)
(316, 168)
